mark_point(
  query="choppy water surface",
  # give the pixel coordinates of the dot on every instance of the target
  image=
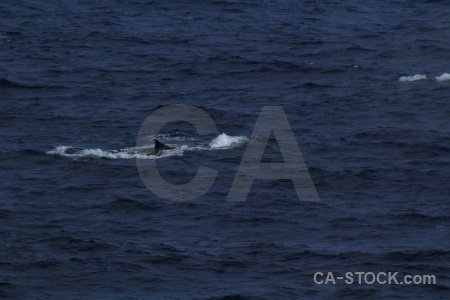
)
(365, 86)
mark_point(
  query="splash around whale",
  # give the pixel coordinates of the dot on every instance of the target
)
(157, 150)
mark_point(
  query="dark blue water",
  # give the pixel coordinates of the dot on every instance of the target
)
(78, 78)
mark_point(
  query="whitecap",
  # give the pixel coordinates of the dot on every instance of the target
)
(443, 77)
(412, 78)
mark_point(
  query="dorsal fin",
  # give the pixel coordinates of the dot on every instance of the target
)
(159, 146)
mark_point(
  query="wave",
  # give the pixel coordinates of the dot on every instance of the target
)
(443, 77)
(223, 141)
(126, 204)
(412, 78)
(8, 84)
(3, 38)
(6, 37)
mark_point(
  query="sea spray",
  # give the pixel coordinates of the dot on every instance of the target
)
(226, 141)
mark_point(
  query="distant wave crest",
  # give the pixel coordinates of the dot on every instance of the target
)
(443, 77)
(412, 78)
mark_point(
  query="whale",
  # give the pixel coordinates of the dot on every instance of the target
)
(159, 146)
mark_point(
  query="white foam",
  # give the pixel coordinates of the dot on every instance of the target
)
(227, 141)
(128, 153)
(443, 77)
(176, 151)
(222, 141)
(412, 78)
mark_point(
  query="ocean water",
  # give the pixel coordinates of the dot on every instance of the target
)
(365, 86)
